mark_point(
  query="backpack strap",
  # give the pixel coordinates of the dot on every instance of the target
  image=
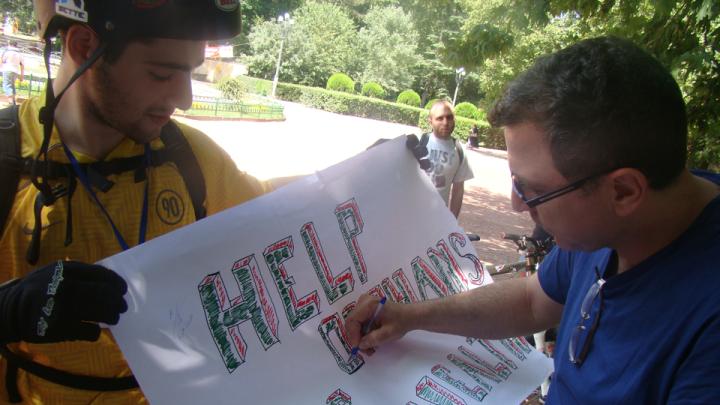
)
(177, 150)
(9, 161)
(461, 154)
(77, 381)
(182, 155)
(425, 138)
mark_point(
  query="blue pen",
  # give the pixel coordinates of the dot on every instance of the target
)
(369, 325)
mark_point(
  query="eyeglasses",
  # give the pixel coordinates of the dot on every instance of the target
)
(543, 198)
(582, 336)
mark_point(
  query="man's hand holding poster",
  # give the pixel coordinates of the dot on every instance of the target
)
(248, 306)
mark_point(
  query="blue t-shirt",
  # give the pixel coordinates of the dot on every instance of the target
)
(658, 337)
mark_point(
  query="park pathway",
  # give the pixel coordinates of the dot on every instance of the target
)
(310, 140)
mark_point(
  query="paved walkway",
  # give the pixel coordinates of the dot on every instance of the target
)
(310, 140)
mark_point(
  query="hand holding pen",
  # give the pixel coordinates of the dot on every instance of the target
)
(368, 326)
(374, 321)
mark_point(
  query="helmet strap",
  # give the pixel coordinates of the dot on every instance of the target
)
(47, 117)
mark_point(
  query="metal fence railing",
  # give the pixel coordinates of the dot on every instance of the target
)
(202, 105)
(31, 85)
(220, 107)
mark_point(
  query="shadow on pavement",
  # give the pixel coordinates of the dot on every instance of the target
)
(489, 215)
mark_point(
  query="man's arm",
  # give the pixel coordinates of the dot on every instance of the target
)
(456, 197)
(509, 308)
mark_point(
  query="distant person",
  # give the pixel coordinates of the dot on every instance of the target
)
(449, 169)
(474, 137)
(13, 67)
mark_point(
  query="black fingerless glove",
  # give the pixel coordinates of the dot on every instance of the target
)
(60, 302)
(418, 150)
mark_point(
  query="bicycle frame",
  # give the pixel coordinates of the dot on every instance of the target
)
(531, 250)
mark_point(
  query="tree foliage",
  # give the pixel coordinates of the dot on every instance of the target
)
(468, 110)
(683, 35)
(388, 43)
(321, 41)
(20, 9)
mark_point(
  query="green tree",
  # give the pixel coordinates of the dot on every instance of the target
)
(436, 23)
(503, 37)
(257, 11)
(389, 48)
(20, 9)
(321, 41)
(432, 76)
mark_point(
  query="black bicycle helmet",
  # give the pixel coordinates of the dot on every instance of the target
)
(174, 19)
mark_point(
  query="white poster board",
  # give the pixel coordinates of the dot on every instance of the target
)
(247, 306)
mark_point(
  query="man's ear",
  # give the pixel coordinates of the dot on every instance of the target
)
(630, 188)
(80, 42)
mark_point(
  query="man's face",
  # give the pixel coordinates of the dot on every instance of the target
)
(137, 94)
(578, 220)
(442, 120)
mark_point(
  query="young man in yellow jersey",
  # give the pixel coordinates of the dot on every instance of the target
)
(100, 181)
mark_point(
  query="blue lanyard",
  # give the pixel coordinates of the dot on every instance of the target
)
(86, 183)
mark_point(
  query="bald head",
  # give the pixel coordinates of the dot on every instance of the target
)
(442, 119)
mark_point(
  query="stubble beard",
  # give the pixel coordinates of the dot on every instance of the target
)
(112, 108)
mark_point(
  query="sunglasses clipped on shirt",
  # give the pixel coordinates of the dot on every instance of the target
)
(582, 336)
(543, 198)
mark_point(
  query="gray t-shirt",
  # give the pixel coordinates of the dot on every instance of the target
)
(444, 168)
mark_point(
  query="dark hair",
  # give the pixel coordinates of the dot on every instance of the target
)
(603, 103)
(117, 46)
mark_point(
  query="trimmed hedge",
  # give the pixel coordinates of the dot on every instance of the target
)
(372, 89)
(349, 104)
(366, 107)
(409, 97)
(467, 110)
(341, 82)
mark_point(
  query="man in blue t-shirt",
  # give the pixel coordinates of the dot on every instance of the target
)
(596, 138)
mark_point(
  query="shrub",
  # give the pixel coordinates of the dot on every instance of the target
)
(467, 110)
(360, 106)
(372, 89)
(409, 97)
(232, 89)
(237, 86)
(430, 103)
(350, 104)
(341, 82)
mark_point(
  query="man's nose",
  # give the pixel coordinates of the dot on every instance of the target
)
(182, 92)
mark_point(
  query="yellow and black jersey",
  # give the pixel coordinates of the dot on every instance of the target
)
(169, 208)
